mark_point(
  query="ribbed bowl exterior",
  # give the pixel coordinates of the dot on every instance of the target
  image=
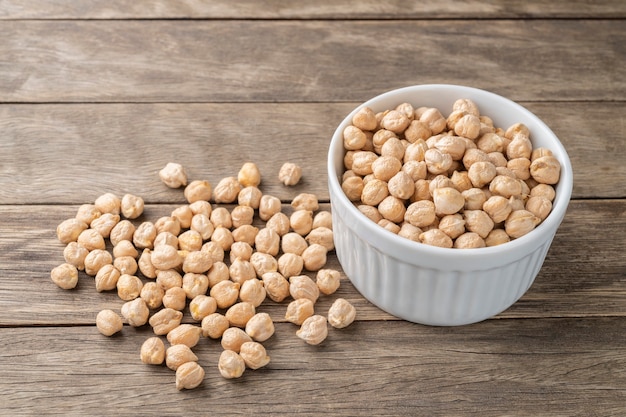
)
(440, 286)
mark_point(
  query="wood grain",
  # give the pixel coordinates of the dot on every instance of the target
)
(501, 367)
(323, 9)
(96, 148)
(307, 61)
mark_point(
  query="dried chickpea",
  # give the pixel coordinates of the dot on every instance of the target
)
(321, 235)
(280, 223)
(299, 310)
(290, 173)
(109, 322)
(263, 263)
(214, 325)
(543, 190)
(165, 320)
(374, 192)
(323, 219)
(152, 294)
(136, 312)
(260, 327)
(105, 223)
(545, 170)
(125, 248)
(245, 233)
(276, 286)
(314, 330)
(166, 257)
(219, 272)
(189, 376)
(226, 190)
(301, 286)
(168, 224)
(420, 213)
(239, 313)
(498, 159)
(474, 198)
(144, 235)
(497, 237)
(328, 281)
(249, 175)
(152, 351)
(437, 162)
(198, 262)
(106, 278)
(184, 215)
(223, 237)
(95, 260)
(434, 119)
(447, 200)
(314, 257)
(473, 155)
(365, 119)
(539, 206)
(169, 278)
(225, 293)
(233, 338)
(173, 175)
(353, 188)
(305, 201)
(201, 306)
(129, 287)
(505, 186)
(292, 242)
(131, 206)
(519, 147)
(478, 221)
(353, 138)
(177, 355)
(184, 334)
(252, 291)
(520, 222)
(242, 215)
(241, 271)
(341, 313)
(417, 130)
(267, 241)
(108, 203)
(126, 265)
(195, 284)
(240, 250)
(362, 162)
(469, 240)
(65, 276)
(401, 186)
(202, 224)
(254, 355)
(268, 206)
(231, 365)
(539, 152)
(198, 190)
(124, 230)
(415, 151)
(75, 254)
(201, 207)
(290, 264)
(166, 238)
(91, 239)
(394, 147)
(468, 126)
(436, 237)
(301, 221)
(520, 167)
(498, 208)
(408, 231)
(221, 217)
(481, 173)
(385, 167)
(370, 212)
(390, 226)
(215, 251)
(86, 213)
(175, 298)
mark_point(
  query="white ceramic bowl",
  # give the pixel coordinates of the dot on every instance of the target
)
(439, 286)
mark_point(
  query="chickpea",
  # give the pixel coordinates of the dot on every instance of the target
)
(95, 260)
(469, 240)
(447, 200)
(108, 203)
(420, 213)
(305, 201)
(144, 235)
(290, 174)
(177, 355)
(201, 207)
(437, 162)
(167, 279)
(166, 257)
(390, 226)
(145, 264)
(124, 230)
(434, 119)
(478, 221)
(263, 263)
(545, 170)
(543, 190)
(468, 126)
(498, 159)
(520, 222)
(214, 325)
(175, 298)
(125, 248)
(219, 272)
(198, 262)
(268, 206)
(322, 236)
(417, 130)
(415, 151)
(422, 191)
(152, 351)
(474, 198)
(105, 223)
(198, 190)
(323, 219)
(401, 186)
(131, 206)
(165, 320)
(365, 119)
(292, 242)
(395, 121)
(185, 334)
(380, 137)
(341, 313)
(353, 187)
(280, 223)
(223, 237)
(245, 233)
(109, 322)
(328, 281)
(539, 152)
(301, 286)
(460, 181)
(290, 264)
(173, 175)
(233, 338)
(260, 327)
(136, 312)
(240, 250)
(254, 355)
(314, 330)
(201, 306)
(215, 251)
(276, 286)
(408, 231)
(249, 175)
(353, 138)
(362, 162)
(231, 365)
(106, 278)
(498, 208)
(152, 294)
(225, 293)
(129, 287)
(497, 237)
(314, 257)
(301, 221)
(394, 148)
(65, 276)
(86, 213)
(250, 197)
(189, 376)
(241, 271)
(75, 254)
(370, 212)
(436, 237)
(252, 291)
(90, 239)
(520, 167)
(519, 147)
(481, 173)
(126, 265)
(299, 310)
(184, 215)
(195, 284)
(242, 215)
(374, 192)
(473, 155)
(453, 225)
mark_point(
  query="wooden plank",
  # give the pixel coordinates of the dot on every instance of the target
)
(576, 281)
(95, 148)
(324, 9)
(311, 61)
(507, 367)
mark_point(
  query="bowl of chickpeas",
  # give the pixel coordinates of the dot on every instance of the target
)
(445, 200)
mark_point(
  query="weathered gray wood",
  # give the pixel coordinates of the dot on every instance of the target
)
(307, 61)
(505, 367)
(577, 280)
(325, 9)
(96, 148)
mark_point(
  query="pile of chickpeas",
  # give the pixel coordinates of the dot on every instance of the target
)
(455, 182)
(210, 263)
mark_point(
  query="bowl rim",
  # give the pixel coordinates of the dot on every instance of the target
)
(403, 247)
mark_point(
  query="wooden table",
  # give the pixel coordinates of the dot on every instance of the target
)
(96, 97)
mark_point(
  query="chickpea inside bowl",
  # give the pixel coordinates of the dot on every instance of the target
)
(420, 281)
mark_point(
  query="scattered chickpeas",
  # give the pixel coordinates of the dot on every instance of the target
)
(109, 322)
(165, 320)
(289, 174)
(185, 334)
(299, 310)
(177, 355)
(65, 276)
(173, 175)
(189, 375)
(254, 355)
(341, 313)
(314, 330)
(249, 175)
(152, 351)
(131, 206)
(260, 327)
(328, 281)
(136, 312)
(231, 364)
(214, 325)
